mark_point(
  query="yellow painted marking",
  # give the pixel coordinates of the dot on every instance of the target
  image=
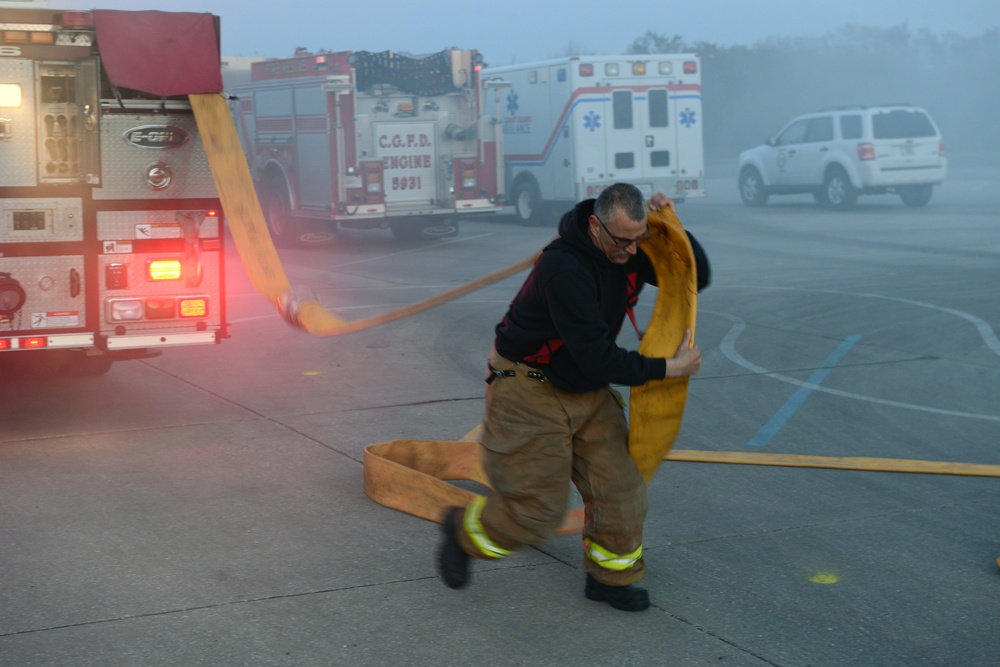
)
(836, 462)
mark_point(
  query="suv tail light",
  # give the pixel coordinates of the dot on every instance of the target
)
(941, 148)
(866, 152)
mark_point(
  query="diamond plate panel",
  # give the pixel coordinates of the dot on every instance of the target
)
(48, 302)
(130, 225)
(18, 158)
(124, 166)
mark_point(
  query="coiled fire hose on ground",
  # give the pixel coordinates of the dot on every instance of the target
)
(413, 475)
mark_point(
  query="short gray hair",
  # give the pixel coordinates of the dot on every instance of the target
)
(620, 196)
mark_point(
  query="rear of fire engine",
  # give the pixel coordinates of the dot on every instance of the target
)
(111, 243)
(369, 140)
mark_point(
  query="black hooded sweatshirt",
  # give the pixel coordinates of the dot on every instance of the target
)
(567, 315)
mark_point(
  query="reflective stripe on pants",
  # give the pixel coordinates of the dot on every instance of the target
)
(537, 439)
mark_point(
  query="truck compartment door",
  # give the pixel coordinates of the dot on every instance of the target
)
(409, 153)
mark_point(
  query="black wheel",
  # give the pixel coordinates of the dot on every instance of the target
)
(916, 196)
(753, 192)
(527, 203)
(278, 214)
(837, 190)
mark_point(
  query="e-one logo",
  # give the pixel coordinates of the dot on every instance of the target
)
(156, 136)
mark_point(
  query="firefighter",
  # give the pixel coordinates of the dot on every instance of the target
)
(551, 414)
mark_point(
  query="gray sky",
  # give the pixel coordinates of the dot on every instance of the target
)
(512, 31)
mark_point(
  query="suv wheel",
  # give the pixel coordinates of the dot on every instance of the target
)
(916, 196)
(752, 190)
(837, 191)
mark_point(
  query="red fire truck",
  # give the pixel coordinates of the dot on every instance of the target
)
(111, 243)
(369, 140)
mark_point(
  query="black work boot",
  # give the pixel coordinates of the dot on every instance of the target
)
(452, 561)
(626, 598)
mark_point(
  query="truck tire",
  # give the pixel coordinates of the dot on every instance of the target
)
(527, 203)
(753, 192)
(278, 214)
(916, 196)
(287, 230)
(837, 191)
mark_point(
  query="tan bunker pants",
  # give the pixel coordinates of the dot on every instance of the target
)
(536, 440)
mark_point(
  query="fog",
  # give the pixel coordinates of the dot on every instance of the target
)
(763, 62)
(750, 92)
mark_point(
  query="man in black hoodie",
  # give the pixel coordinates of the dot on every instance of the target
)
(551, 414)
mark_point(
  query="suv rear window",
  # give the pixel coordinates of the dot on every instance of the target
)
(902, 125)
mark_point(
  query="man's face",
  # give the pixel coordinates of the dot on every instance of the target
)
(617, 238)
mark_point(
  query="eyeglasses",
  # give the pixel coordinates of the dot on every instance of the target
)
(622, 242)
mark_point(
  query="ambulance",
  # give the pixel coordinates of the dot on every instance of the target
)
(574, 125)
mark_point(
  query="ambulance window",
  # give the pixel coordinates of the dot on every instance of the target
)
(850, 127)
(10, 95)
(659, 159)
(624, 160)
(657, 108)
(622, 103)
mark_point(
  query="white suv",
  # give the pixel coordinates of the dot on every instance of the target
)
(838, 154)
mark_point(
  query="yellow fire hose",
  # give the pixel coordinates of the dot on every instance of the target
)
(413, 475)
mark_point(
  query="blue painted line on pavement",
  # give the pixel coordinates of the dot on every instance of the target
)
(784, 413)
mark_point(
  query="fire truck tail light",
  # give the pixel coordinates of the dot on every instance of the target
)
(866, 152)
(161, 309)
(124, 310)
(374, 183)
(33, 343)
(5, 343)
(194, 307)
(468, 178)
(163, 269)
(211, 244)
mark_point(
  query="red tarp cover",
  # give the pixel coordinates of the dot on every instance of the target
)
(159, 53)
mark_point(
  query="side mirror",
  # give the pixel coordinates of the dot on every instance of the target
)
(771, 141)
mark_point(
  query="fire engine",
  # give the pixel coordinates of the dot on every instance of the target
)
(111, 243)
(369, 140)
(574, 125)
